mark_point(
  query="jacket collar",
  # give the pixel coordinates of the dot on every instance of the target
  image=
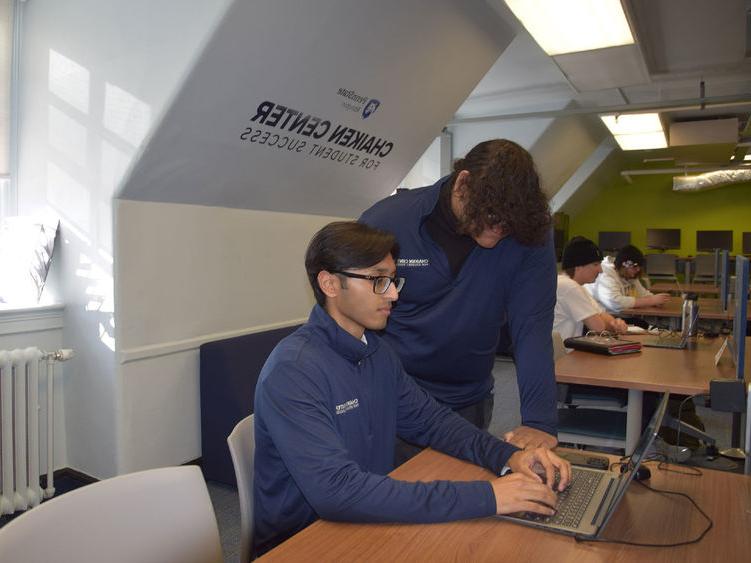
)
(339, 339)
(432, 194)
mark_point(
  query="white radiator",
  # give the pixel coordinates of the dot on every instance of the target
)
(19, 426)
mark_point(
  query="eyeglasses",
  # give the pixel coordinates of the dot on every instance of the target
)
(381, 284)
(631, 264)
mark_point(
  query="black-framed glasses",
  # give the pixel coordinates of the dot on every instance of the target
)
(381, 284)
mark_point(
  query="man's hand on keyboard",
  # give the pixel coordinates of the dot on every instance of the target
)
(517, 492)
(541, 465)
(526, 437)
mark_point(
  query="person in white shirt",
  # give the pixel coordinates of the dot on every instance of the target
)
(575, 307)
(619, 288)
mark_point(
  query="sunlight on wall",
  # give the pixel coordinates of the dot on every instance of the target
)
(94, 129)
(125, 115)
(67, 136)
(69, 197)
(69, 81)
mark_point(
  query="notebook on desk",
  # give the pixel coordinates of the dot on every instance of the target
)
(587, 505)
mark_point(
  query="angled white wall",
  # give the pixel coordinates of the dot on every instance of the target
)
(274, 114)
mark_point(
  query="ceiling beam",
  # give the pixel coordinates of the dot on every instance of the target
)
(671, 105)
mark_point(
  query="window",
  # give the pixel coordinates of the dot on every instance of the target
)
(8, 48)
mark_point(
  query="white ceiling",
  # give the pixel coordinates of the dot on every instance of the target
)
(680, 43)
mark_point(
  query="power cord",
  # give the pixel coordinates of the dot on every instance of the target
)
(680, 410)
(697, 539)
(694, 472)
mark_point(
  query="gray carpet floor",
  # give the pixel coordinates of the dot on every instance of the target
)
(505, 417)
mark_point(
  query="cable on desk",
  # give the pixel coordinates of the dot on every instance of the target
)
(710, 524)
(664, 465)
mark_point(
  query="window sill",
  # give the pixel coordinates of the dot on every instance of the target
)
(14, 320)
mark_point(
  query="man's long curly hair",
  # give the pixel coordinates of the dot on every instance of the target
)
(503, 189)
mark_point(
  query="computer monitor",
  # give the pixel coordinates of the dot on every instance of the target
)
(739, 336)
(613, 240)
(663, 239)
(724, 278)
(739, 319)
(707, 241)
(746, 243)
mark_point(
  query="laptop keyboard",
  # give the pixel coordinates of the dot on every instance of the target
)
(573, 502)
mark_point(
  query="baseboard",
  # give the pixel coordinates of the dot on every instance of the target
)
(84, 478)
(198, 461)
(68, 472)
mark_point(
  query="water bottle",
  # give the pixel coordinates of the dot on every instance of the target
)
(689, 315)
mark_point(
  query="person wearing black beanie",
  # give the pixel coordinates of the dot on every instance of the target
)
(575, 308)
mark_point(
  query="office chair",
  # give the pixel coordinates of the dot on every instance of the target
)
(160, 515)
(242, 445)
(703, 269)
(662, 267)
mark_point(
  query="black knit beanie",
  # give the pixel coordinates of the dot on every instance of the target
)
(580, 251)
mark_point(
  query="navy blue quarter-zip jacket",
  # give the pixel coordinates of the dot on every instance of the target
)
(328, 408)
(446, 328)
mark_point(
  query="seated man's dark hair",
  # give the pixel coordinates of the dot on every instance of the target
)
(346, 245)
(504, 189)
(629, 253)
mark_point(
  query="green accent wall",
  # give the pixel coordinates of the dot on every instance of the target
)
(651, 203)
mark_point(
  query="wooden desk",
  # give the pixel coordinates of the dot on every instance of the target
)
(700, 288)
(642, 516)
(685, 372)
(709, 309)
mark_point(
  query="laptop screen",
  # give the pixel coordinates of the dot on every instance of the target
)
(646, 439)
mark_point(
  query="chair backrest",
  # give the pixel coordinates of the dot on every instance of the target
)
(704, 265)
(160, 515)
(661, 264)
(559, 350)
(242, 446)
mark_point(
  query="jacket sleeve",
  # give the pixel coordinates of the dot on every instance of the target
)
(641, 291)
(304, 433)
(531, 303)
(610, 294)
(422, 420)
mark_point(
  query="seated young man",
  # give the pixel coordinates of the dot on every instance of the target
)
(619, 287)
(333, 396)
(574, 306)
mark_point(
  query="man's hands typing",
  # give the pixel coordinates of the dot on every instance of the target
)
(530, 487)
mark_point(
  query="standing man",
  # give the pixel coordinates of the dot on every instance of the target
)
(477, 253)
(574, 306)
(333, 396)
(619, 287)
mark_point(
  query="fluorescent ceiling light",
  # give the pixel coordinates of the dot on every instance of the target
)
(636, 131)
(747, 157)
(568, 26)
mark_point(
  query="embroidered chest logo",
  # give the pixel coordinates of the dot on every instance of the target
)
(412, 262)
(348, 406)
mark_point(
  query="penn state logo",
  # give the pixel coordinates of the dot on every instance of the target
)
(370, 108)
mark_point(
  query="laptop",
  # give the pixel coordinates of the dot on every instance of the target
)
(672, 340)
(587, 505)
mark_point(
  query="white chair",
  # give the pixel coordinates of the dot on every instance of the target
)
(160, 515)
(242, 446)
